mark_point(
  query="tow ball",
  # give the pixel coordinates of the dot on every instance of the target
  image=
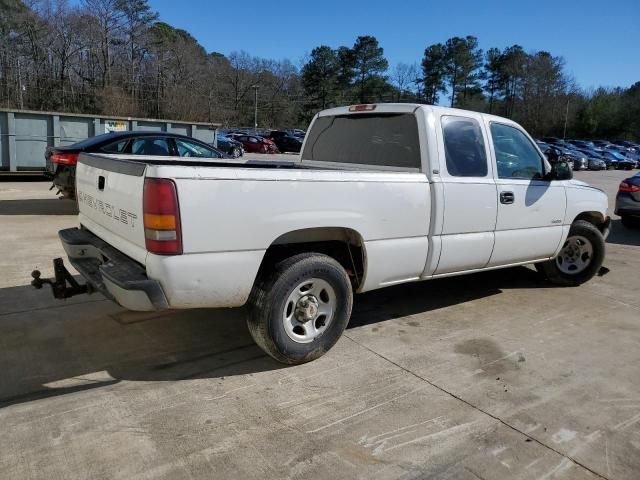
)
(59, 282)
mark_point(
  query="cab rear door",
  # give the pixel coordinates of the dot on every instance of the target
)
(470, 196)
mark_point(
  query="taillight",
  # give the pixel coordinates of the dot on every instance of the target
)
(628, 187)
(161, 217)
(65, 158)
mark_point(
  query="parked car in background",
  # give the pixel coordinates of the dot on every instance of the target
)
(296, 132)
(551, 140)
(597, 164)
(625, 143)
(630, 153)
(61, 161)
(628, 201)
(622, 162)
(285, 142)
(602, 144)
(596, 158)
(552, 152)
(231, 147)
(582, 144)
(577, 159)
(255, 143)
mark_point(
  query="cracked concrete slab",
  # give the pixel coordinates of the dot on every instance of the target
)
(495, 375)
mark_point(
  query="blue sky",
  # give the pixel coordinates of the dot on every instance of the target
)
(600, 41)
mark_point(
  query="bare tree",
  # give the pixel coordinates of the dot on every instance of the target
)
(405, 77)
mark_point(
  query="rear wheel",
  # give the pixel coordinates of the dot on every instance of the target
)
(300, 309)
(579, 259)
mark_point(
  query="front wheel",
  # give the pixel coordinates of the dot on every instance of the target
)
(579, 259)
(300, 309)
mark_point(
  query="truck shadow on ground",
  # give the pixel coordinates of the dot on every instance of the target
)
(51, 349)
(621, 235)
(38, 206)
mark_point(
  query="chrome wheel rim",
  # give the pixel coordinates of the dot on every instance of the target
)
(576, 255)
(309, 310)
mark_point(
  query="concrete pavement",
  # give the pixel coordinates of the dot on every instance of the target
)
(492, 376)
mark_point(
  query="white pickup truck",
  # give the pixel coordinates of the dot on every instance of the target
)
(381, 195)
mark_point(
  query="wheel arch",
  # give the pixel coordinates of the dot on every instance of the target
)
(597, 219)
(343, 244)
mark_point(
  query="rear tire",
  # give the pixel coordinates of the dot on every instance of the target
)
(579, 259)
(299, 310)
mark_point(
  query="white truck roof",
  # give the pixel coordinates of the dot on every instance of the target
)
(408, 108)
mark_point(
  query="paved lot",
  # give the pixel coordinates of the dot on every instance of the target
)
(495, 375)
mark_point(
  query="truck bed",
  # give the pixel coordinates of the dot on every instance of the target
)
(190, 162)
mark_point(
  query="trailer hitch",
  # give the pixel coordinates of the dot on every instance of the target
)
(59, 282)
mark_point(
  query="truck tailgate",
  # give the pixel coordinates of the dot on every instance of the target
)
(109, 193)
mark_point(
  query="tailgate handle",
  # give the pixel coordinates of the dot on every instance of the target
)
(100, 182)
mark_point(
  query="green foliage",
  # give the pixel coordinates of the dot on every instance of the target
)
(113, 57)
(320, 77)
(345, 75)
(462, 68)
(368, 67)
(434, 70)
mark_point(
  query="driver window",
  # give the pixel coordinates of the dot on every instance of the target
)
(516, 157)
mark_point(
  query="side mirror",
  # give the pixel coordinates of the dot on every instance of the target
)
(560, 170)
(553, 155)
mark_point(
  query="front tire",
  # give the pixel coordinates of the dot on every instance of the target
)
(301, 307)
(579, 259)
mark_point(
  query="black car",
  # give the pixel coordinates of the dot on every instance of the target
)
(628, 201)
(625, 143)
(231, 147)
(551, 140)
(596, 161)
(285, 142)
(582, 144)
(61, 161)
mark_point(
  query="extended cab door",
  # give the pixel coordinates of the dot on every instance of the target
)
(470, 198)
(530, 209)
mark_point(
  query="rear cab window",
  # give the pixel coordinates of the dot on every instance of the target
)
(464, 148)
(385, 140)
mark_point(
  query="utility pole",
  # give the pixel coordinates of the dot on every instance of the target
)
(20, 84)
(255, 111)
(566, 118)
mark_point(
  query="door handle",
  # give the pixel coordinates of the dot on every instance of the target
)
(507, 197)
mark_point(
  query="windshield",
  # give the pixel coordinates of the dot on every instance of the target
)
(378, 139)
